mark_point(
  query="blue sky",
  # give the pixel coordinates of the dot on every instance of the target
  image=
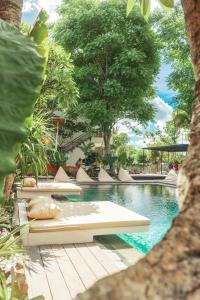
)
(162, 101)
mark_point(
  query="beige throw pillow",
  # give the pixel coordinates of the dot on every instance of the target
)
(39, 199)
(44, 211)
(30, 182)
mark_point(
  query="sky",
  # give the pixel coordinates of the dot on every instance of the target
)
(162, 100)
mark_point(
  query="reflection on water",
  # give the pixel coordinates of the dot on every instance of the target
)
(158, 203)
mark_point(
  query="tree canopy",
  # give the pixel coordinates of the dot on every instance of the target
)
(116, 60)
(59, 90)
(175, 45)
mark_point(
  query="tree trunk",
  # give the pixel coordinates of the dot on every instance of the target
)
(8, 185)
(172, 269)
(11, 11)
(107, 138)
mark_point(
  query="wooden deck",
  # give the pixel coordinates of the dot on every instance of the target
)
(60, 272)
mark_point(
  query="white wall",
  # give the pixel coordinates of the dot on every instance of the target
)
(74, 156)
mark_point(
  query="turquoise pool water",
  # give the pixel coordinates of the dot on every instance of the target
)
(158, 203)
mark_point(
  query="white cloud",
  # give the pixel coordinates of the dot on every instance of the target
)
(29, 6)
(125, 126)
(50, 6)
(163, 112)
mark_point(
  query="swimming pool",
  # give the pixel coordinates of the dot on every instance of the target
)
(158, 203)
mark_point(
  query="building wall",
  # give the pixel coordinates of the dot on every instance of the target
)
(74, 156)
(78, 153)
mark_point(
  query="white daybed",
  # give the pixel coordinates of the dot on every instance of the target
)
(80, 222)
(49, 188)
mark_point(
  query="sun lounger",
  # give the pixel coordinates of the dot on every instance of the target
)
(124, 176)
(82, 176)
(61, 176)
(104, 176)
(80, 222)
(49, 188)
(171, 177)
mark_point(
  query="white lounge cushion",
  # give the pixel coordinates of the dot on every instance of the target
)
(45, 210)
(124, 175)
(29, 182)
(53, 187)
(104, 176)
(82, 176)
(171, 177)
(90, 215)
(61, 176)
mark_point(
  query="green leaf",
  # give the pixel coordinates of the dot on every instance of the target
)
(39, 33)
(3, 286)
(145, 6)
(129, 7)
(167, 4)
(21, 78)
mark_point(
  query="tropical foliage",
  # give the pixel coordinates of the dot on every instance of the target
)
(59, 90)
(116, 60)
(145, 6)
(21, 75)
(13, 284)
(176, 51)
(175, 129)
(33, 154)
(123, 150)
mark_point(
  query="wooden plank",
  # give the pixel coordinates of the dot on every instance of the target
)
(80, 265)
(105, 261)
(68, 271)
(92, 262)
(37, 279)
(55, 278)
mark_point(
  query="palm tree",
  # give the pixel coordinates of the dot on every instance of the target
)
(170, 270)
(86, 148)
(11, 11)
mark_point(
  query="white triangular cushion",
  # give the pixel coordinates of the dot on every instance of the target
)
(104, 176)
(171, 176)
(61, 176)
(124, 175)
(82, 176)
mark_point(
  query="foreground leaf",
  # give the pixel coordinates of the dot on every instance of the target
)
(130, 5)
(20, 77)
(167, 3)
(145, 8)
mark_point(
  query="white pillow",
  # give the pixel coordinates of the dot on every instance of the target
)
(45, 211)
(39, 199)
(30, 182)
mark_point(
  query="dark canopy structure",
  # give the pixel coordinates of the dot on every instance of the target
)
(167, 148)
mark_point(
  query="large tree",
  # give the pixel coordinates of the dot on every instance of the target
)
(116, 60)
(171, 270)
(59, 90)
(176, 51)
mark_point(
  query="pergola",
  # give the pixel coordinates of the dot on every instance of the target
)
(167, 148)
